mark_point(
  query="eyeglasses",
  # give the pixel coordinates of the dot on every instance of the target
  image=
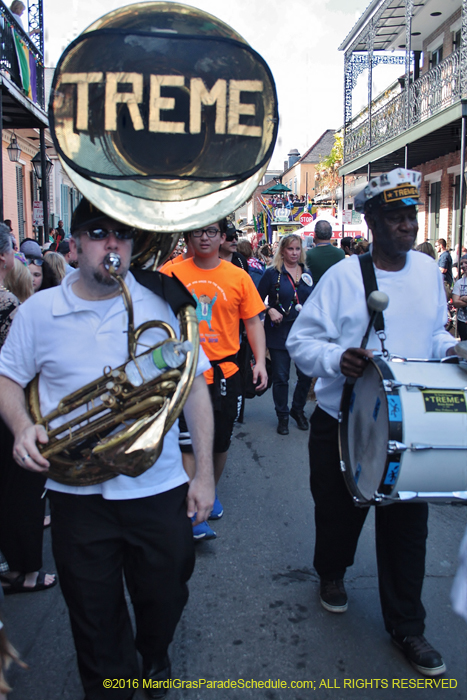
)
(34, 261)
(99, 234)
(210, 232)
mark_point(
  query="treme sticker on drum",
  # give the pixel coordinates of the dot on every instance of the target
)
(440, 401)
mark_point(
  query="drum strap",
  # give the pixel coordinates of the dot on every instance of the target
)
(371, 285)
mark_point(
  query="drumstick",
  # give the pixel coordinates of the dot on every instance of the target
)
(377, 301)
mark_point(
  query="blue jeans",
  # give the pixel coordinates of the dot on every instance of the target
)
(280, 384)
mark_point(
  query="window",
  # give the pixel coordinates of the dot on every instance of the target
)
(456, 217)
(65, 206)
(437, 56)
(20, 200)
(456, 40)
(435, 201)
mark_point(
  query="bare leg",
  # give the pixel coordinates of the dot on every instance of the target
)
(189, 464)
(220, 458)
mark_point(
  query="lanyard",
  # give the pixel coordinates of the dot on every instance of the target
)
(294, 287)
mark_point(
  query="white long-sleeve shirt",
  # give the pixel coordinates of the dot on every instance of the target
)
(335, 318)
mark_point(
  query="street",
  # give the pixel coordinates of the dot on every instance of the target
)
(254, 611)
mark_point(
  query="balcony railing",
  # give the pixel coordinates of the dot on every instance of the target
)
(20, 58)
(434, 91)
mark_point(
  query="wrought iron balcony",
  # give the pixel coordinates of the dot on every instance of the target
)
(20, 59)
(433, 92)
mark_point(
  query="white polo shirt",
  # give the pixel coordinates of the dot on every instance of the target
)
(68, 341)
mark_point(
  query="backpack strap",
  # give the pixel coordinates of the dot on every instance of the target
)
(169, 288)
(371, 285)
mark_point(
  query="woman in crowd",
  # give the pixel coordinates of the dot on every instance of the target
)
(287, 286)
(19, 281)
(21, 506)
(42, 273)
(57, 264)
(8, 301)
(266, 253)
(426, 248)
(255, 266)
(361, 246)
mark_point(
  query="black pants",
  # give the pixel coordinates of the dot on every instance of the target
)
(22, 510)
(401, 532)
(96, 543)
(462, 330)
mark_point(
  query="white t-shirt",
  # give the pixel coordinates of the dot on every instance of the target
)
(335, 317)
(69, 341)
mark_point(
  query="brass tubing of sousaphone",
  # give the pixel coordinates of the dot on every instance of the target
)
(107, 459)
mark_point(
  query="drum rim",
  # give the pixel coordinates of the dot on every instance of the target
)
(383, 369)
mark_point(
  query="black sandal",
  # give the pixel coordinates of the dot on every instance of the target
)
(16, 585)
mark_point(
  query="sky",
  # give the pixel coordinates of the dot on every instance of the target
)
(298, 39)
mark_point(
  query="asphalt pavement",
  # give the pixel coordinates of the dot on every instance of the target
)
(254, 615)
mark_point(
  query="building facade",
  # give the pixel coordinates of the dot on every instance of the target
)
(422, 124)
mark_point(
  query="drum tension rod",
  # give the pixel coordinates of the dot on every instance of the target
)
(395, 446)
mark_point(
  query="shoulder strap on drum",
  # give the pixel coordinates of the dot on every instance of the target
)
(169, 288)
(371, 285)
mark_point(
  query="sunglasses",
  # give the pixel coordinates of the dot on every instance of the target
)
(210, 232)
(231, 237)
(35, 261)
(99, 234)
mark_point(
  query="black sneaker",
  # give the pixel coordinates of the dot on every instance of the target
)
(157, 675)
(300, 417)
(333, 596)
(283, 426)
(421, 654)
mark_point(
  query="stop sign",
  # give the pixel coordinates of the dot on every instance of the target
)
(305, 219)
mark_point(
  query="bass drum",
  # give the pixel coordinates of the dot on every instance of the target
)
(403, 432)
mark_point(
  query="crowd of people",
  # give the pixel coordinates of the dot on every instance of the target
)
(285, 304)
(287, 201)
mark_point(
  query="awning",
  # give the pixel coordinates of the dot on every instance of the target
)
(277, 189)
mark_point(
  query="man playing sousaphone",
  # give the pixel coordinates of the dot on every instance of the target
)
(326, 342)
(165, 119)
(132, 526)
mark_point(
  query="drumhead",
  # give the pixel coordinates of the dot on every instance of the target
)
(364, 434)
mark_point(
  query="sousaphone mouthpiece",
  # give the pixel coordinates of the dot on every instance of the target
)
(112, 262)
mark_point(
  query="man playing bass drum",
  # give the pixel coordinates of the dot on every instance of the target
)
(325, 342)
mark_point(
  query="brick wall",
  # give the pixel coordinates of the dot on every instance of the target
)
(445, 35)
(446, 199)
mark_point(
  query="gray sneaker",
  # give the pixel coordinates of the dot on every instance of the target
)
(333, 596)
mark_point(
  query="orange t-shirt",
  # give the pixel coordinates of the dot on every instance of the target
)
(178, 259)
(223, 296)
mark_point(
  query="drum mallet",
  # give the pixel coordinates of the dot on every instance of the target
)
(377, 302)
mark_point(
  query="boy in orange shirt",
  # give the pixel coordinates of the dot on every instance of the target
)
(224, 295)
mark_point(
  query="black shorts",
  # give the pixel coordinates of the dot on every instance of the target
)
(224, 418)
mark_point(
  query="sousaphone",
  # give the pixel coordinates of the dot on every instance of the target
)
(165, 119)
